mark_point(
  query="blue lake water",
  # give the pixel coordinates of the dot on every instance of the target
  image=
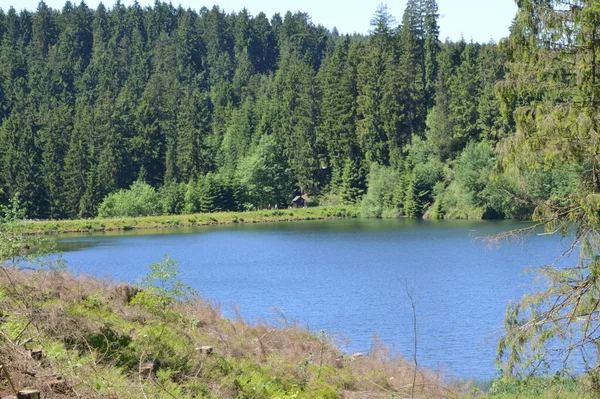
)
(348, 277)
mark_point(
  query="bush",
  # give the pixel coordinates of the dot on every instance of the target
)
(140, 200)
(331, 199)
(381, 194)
(265, 176)
(468, 194)
(172, 198)
(473, 171)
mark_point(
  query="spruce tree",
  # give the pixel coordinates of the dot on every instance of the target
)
(337, 125)
(552, 79)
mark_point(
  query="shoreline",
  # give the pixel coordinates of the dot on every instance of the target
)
(98, 225)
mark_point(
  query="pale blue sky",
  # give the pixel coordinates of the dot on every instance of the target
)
(480, 20)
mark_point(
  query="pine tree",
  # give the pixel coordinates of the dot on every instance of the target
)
(77, 161)
(354, 178)
(297, 116)
(337, 126)
(552, 78)
(21, 162)
(56, 125)
(440, 127)
(465, 88)
(432, 50)
(412, 65)
(193, 127)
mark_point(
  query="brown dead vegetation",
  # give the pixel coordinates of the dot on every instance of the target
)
(77, 312)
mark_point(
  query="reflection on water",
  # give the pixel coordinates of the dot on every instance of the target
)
(75, 244)
(348, 277)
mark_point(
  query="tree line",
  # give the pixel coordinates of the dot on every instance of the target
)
(208, 111)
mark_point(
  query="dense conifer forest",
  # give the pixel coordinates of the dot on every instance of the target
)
(208, 111)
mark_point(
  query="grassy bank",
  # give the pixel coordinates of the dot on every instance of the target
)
(97, 339)
(199, 219)
(76, 336)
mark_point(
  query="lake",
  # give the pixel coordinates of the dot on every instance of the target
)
(347, 277)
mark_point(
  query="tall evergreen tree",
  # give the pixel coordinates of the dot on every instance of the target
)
(337, 125)
(432, 49)
(297, 112)
(412, 64)
(552, 78)
(22, 160)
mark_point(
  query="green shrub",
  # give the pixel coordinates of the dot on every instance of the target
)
(172, 198)
(381, 193)
(140, 199)
(162, 287)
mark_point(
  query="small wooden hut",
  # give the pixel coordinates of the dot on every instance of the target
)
(300, 201)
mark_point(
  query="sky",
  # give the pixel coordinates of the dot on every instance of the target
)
(477, 20)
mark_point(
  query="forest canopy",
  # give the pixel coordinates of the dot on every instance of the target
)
(216, 111)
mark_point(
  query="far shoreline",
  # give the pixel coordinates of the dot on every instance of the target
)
(99, 225)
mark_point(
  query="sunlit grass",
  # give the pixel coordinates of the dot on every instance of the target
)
(189, 220)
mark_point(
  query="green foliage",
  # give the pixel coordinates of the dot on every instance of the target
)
(173, 199)
(538, 387)
(557, 117)
(382, 194)
(140, 199)
(228, 111)
(471, 193)
(473, 170)
(162, 286)
(422, 172)
(265, 176)
(354, 182)
(13, 242)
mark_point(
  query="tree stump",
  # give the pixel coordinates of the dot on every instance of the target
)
(28, 393)
(147, 369)
(58, 385)
(205, 350)
(36, 354)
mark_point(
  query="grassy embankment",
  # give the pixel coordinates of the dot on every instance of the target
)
(100, 339)
(83, 337)
(199, 219)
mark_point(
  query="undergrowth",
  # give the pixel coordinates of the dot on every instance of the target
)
(102, 339)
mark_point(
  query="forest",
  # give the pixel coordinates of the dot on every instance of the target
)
(200, 111)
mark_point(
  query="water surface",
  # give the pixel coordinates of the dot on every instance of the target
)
(347, 277)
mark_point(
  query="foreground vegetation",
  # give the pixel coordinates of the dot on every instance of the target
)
(100, 339)
(77, 336)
